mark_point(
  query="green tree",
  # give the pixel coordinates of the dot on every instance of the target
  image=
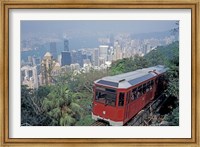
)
(60, 106)
(127, 65)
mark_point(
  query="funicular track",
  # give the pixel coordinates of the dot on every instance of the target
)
(144, 116)
(99, 123)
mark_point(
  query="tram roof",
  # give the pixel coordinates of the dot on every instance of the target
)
(129, 79)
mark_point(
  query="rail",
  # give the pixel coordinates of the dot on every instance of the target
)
(99, 123)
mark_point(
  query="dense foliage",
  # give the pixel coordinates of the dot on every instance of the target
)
(31, 110)
(69, 100)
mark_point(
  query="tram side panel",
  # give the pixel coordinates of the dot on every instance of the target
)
(138, 97)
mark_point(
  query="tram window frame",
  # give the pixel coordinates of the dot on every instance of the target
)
(128, 97)
(121, 99)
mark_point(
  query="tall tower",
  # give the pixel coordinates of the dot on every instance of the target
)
(103, 51)
(66, 45)
(53, 50)
(95, 57)
(66, 55)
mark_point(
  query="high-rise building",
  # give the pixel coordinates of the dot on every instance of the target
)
(56, 70)
(117, 51)
(66, 45)
(89, 56)
(101, 61)
(80, 58)
(65, 58)
(74, 57)
(103, 52)
(53, 50)
(84, 56)
(95, 57)
(36, 62)
(29, 76)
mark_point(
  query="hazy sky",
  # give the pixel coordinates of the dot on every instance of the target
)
(114, 26)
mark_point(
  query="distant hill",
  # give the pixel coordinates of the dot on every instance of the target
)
(156, 35)
(163, 54)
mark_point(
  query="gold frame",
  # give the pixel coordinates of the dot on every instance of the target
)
(127, 4)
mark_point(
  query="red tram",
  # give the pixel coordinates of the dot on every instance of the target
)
(118, 98)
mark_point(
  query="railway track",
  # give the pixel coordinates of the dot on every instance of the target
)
(144, 116)
(99, 123)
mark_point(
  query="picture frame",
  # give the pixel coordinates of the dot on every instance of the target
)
(101, 4)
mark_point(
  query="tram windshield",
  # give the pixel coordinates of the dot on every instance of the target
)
(106, 96)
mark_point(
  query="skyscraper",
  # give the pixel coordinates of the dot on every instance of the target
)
(66, 45)
(74, 57)
(80, 58)
(53, 50)
(95, 57)
(65, 58)
(103, 51)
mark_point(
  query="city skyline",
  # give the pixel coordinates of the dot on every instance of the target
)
(43, 58)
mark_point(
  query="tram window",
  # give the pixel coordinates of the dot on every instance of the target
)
(144, 88)
(148, 86)
(151, 84)
(140, 91)
(110, 90)
(100, 95)
(121, 99)
(134, 94)
(105, 97)
(156, 80)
